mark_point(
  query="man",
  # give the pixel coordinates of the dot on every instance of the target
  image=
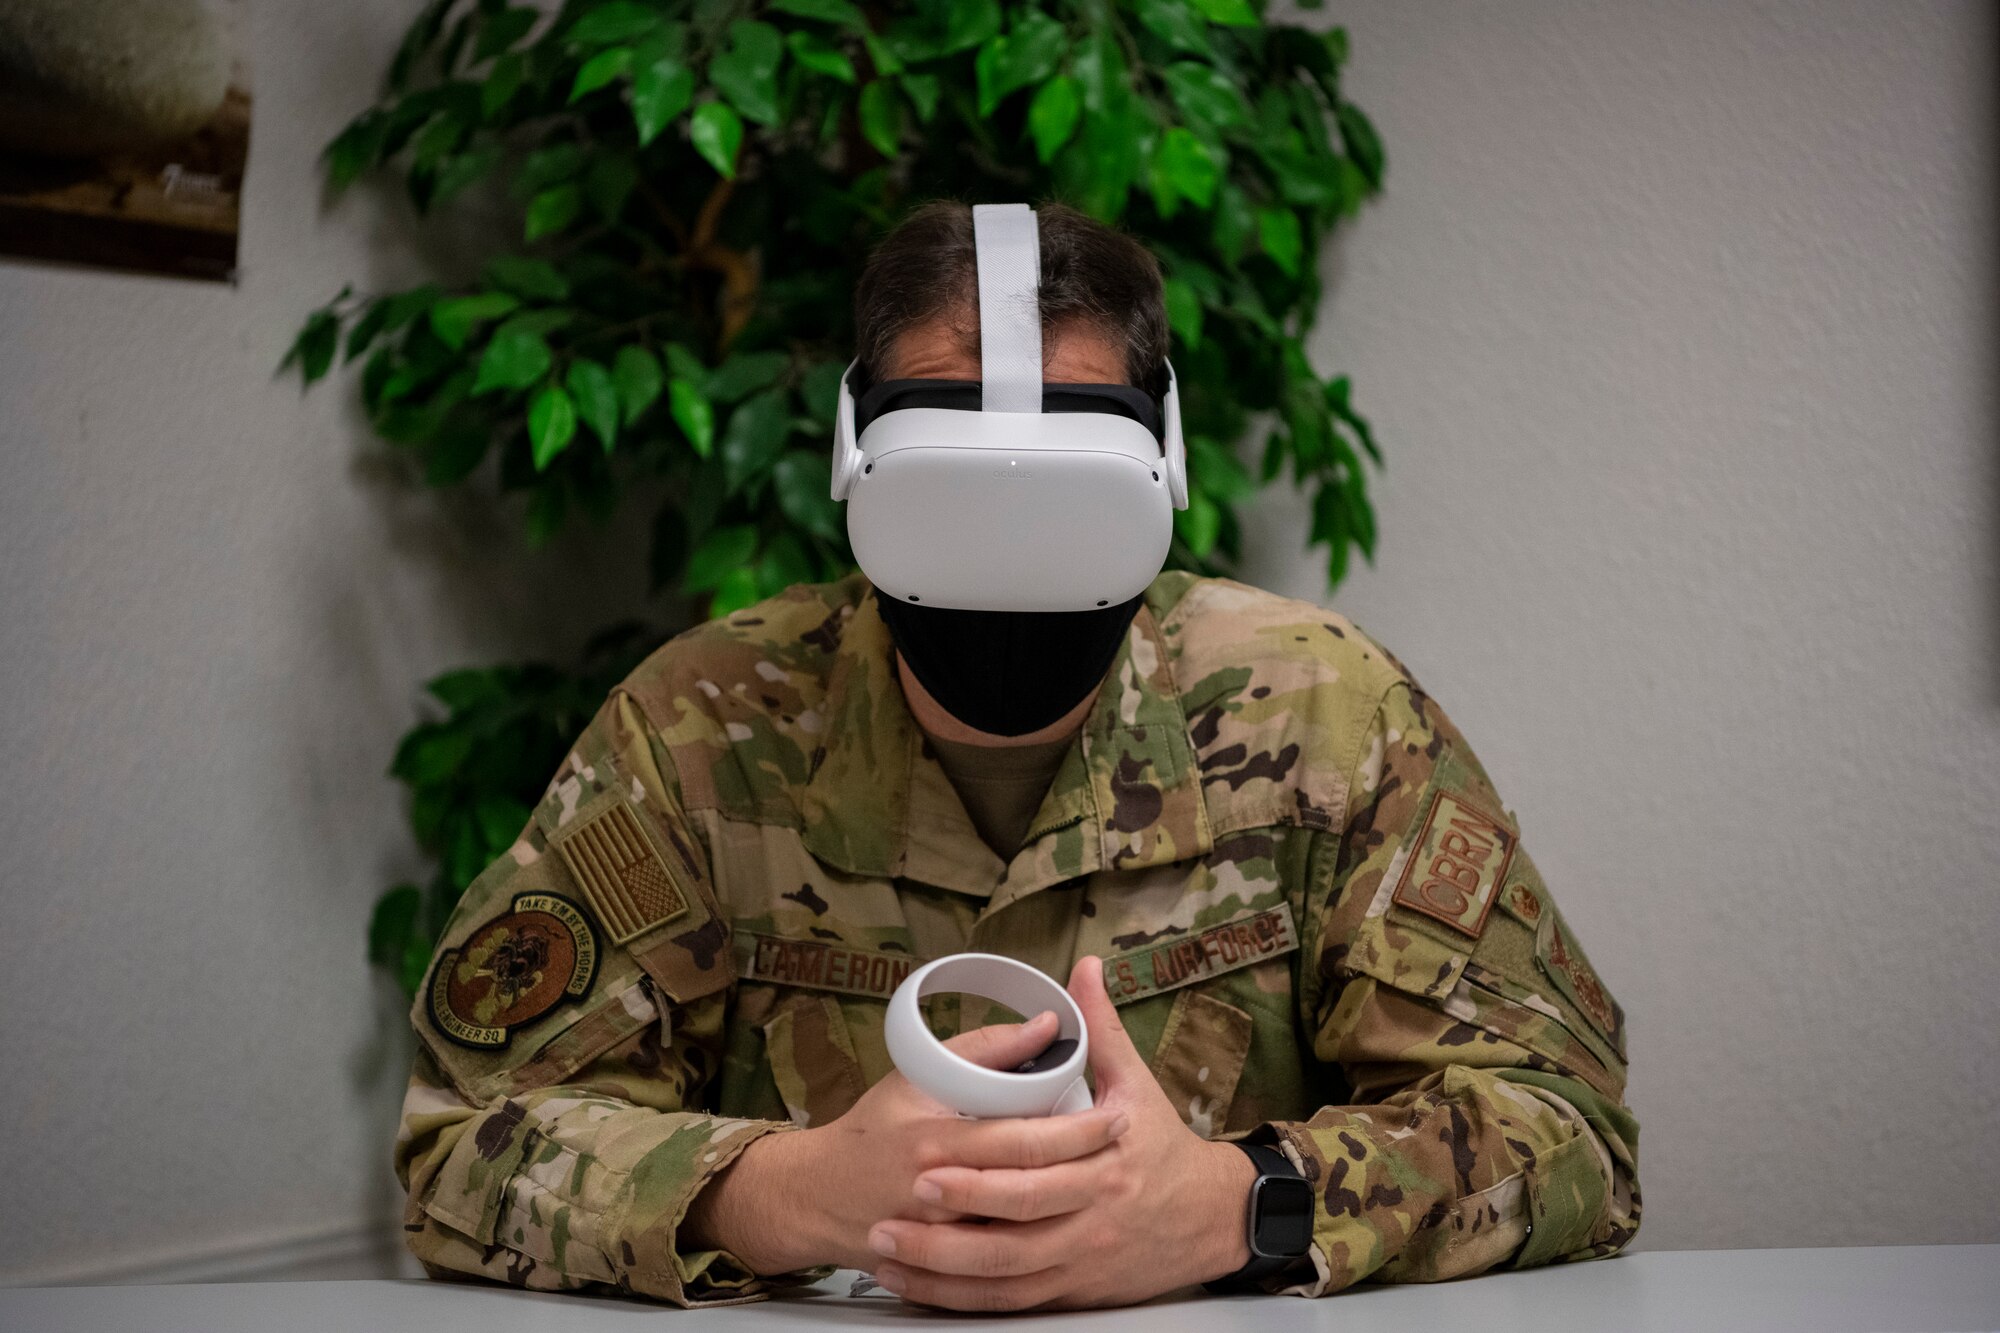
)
(1293, 910)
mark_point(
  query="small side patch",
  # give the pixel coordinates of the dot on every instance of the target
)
(1557, 952)
(538, 954)
(614, 858)
(1459, 861)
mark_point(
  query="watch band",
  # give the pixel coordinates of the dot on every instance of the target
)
(1269, 1163)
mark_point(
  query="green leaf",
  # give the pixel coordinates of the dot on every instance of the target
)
(1024, 56)
(968, 23)
(599, 70)
(785, 562)
(596, 397)
(720, 552)
(453, 321)
(743, 373)
(610, 183)
(1174, 23)
(1235, 222)
(501, 83)
(694, 414)
(636, 373)
(1229, 13)
(313, 350)
(1358, 136)
(1278, 232)
(551, 424)
(820, 389)
(738, 590)
(923, 90)
(501, 819)
(514, 359)
(1184, 311)
(1052, 116)
(753, 439)
(660, 92)
(1199, 524)
(803, 482)
(431, 754)
(467, 687)
(534, 279)
(548, 166)
(391, 924)
(465, 169)
(354, 150)
(552, 210)
(882, 117)
(501, 31)
(1337, 393)
(619, 21)
(816, 53)
(1185, 163)
(886, 60)
(717, 133)
(1206, 97)
(747, 73)
(827, 11)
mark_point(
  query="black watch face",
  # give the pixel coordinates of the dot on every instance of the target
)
(1284, 1217)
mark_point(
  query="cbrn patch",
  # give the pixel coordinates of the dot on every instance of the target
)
(513, 970)
(623, 873)
(1459, 860)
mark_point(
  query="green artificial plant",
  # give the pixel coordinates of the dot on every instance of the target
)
(693, 185)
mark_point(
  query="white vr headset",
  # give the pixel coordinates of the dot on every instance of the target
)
(1011, 507)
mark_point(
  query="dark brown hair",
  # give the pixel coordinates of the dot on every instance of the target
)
(927, 269)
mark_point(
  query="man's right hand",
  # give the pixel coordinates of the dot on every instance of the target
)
(798, 1200)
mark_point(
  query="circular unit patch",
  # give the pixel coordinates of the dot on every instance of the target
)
(513, 970)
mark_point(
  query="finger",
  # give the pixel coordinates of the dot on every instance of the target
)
(1033, 1143)
(1010, 1194)
(968, 1249)
(1005, 1045)
(1113, 1058)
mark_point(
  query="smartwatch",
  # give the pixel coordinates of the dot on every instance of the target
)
(1280, 1222)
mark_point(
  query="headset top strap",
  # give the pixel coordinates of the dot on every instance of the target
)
(1010, 310)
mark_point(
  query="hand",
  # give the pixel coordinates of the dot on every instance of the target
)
(799, 1199)
(1161, 1208)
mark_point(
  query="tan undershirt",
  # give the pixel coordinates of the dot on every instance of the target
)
(1001, 786)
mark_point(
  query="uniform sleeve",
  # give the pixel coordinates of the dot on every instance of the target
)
(1485, 1058)
(553, 1135)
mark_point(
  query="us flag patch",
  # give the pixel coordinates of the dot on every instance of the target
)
(622, 872)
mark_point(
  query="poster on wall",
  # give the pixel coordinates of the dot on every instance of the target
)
(124, 125)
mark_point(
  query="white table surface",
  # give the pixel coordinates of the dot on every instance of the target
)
(1919, 1289)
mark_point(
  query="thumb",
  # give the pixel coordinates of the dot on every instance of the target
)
(1005, 1045)
(1113, 1058)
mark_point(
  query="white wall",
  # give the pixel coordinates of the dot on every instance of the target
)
(1677, 320)
(218, 605)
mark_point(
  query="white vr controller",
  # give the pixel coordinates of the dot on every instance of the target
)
(1050, 1084)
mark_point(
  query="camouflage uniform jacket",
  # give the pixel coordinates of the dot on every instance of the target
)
(1315, 914)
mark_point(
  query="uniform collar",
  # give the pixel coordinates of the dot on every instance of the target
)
(1127, 795)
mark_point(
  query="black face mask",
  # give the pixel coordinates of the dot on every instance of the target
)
(1008, 672)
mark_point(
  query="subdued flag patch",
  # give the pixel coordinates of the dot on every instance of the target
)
(622, 872)
(1459, 861)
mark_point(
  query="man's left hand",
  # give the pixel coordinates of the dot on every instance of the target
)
(1158, 1209)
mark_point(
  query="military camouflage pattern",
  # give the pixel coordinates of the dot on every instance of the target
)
(1315, 912)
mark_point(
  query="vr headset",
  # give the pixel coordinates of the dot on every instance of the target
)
(1005, 493)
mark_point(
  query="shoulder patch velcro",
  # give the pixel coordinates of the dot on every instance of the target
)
(515, 968)
(614, 857)
(1459, 861)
